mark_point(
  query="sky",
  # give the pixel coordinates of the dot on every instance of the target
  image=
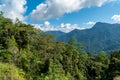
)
(62, 15)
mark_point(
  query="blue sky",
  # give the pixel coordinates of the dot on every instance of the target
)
(63, 15)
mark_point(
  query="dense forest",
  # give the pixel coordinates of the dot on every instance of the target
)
(27, 53)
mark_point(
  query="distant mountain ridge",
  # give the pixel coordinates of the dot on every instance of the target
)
(55, 33)
(102, 36)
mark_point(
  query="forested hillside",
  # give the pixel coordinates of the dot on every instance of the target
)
(103, 35)
(30, 54)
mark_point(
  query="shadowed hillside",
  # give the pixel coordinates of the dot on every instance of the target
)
(102, 36)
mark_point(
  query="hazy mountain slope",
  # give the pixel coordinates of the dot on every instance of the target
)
(55, 33)
(102, 36)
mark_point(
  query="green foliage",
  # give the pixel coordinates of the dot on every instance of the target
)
(5, 56)
(76, 44)
(101, 57)
(10, 72)
(30, 54)
(114, 66)
(12, 42)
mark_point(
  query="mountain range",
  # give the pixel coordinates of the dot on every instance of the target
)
(101, 37)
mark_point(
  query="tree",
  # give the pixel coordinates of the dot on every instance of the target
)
(10, 72)
(114, 66)
(76, 44)
(101, 57)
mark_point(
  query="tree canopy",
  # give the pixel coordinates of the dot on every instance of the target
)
(27, 53)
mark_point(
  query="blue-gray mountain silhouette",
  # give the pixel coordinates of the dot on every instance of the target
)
(102, 36)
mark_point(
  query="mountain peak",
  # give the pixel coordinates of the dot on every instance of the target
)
(105, 25)
(76, 30)
(101, 23)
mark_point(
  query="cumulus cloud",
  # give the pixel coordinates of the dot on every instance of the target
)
(46, 23)
(90, 23)
(13, 8)
(62, 27)
(56, 8)
(69, 27)
(116, 18)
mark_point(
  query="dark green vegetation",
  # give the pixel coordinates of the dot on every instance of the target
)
(102, 36)
(30, 54)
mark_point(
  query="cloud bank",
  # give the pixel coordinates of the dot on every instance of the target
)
(64, 27)
(116, 18)
(13, 8)
(56, 8)
(48, 9)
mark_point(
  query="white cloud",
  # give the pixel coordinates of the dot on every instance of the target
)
(13, 8)
(90, 23)
(116, 18)
(56, 8)
(69, 27)
(46, 23)
(62, 27)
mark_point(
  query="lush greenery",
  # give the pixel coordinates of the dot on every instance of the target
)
(10, 72)
(29, 54)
